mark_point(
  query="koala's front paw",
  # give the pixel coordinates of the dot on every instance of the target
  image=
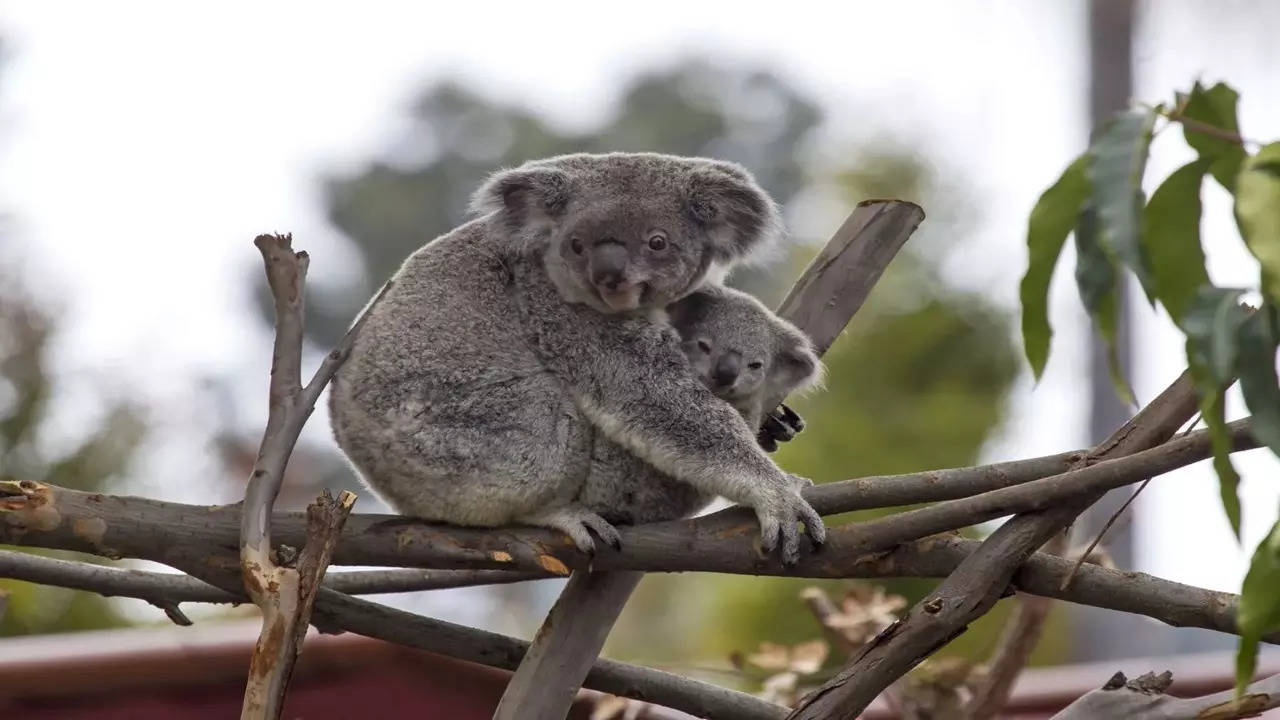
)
(578, 523)
(780, 425)
(778, 511)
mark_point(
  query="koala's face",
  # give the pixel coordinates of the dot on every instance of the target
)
(741, 350)
(734, 365)
(623, 232)
(621, 257)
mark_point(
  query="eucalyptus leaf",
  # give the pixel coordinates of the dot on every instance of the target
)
(1171, 238)
(1051, 221)
(1212, 324)
(1257, 365)
(1258, 214)
(1117, 160)
(1098, 280)
(1259, 611)
(1216, 108)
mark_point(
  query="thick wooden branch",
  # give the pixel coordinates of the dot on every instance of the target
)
(1144, 699)
(197, 538)
(984, 576)
(138, 527)
(841, 277)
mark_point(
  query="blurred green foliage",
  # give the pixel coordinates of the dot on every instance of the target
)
(36, 448)
(918, 382)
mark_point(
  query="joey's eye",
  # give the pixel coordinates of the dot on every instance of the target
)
(657, 241)
(704, 347)
(756, 365)
(576, 245)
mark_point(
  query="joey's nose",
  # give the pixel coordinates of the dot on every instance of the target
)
(727, 369)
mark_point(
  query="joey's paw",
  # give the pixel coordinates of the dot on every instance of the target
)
(780, 425)
(780, 514)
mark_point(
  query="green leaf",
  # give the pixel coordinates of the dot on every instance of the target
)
(1097, 279)
(1171, 238)
(1212, 324)
(1258, 214)
(1215, 107)
(1117, 159)
(1259, 611)
(1258, 341)
(1051, 221)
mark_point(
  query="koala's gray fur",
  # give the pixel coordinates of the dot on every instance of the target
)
(504, 349)
(720, 328)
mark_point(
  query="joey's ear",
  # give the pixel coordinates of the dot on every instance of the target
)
(796, 368)
(523, 195)
(739, 217)
(689, 310)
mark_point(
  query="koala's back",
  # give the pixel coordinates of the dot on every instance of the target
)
(442, 406)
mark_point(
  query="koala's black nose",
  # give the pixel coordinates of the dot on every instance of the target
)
(608, 263)
(727, 369)
(607, 277)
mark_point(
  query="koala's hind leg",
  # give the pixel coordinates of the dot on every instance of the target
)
(577, 522)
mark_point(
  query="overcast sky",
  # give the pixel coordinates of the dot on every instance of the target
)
(143, 144)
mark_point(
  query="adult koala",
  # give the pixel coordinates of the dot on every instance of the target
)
(480, 380)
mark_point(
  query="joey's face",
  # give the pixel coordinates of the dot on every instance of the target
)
(733, 370)
(627, 257)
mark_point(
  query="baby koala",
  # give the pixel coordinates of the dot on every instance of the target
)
(744, 354)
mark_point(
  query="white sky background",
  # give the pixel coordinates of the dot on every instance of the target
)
(143, 144)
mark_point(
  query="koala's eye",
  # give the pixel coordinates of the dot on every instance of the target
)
(756, 365)
(576, 245)
(657, 241)
(704, 347)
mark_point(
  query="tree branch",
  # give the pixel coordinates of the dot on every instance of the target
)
(1018, 639)
(1144, 699)
(1172, 603)
(151, 529)
(200, 539)
(163, 589)
(285, 594)
(983, 577)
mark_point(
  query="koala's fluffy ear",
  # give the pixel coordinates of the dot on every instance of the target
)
(796, 367)
(524, 195)
(739, 217)
(689, 310)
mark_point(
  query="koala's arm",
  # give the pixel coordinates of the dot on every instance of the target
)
(630, 379)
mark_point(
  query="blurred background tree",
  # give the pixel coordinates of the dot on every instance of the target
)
(35, 446)
(918, 382)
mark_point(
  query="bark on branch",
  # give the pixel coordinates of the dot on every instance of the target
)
(984, 576)
(164, 589)
(1143, 699)
(284, 594)
(201, 539)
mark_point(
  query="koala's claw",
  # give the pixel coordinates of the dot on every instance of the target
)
(577, 522)
(607, 532)
(780, 425)
(780, 520)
